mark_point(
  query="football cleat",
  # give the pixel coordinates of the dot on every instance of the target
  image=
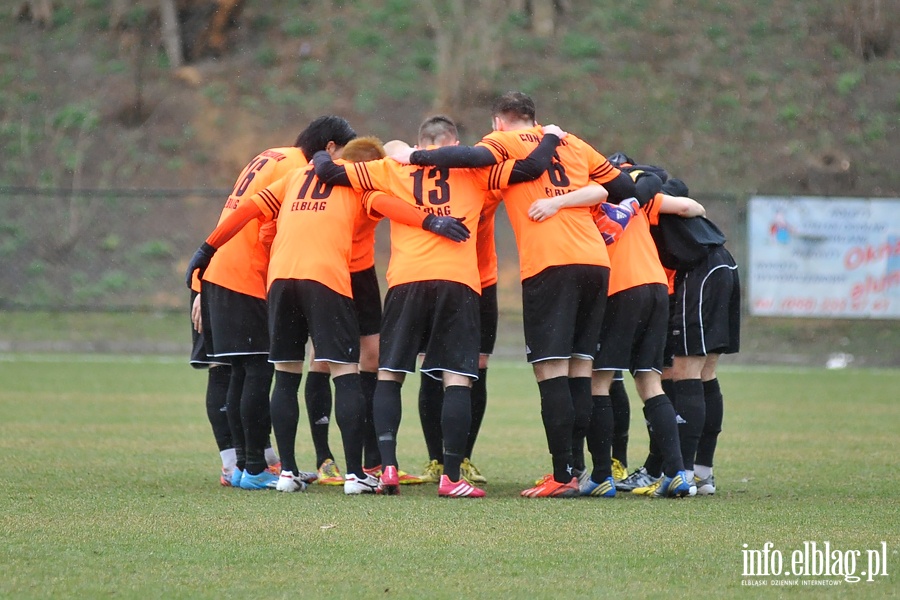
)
(275, 469)
(550, 488)
(390, 481)
(402, 476)
(432, 472)
(707, 486)
(354, 485)
(307, 476)
(583, 477)
(648, 490)
(673, 487)
(408, 478)
(458, 489)
(329, 474)
(619, 472)
(288, 482)
(471, 473)
(604, 489)
(225, 478)
(263, 481)
(638, 479)
(236, 476)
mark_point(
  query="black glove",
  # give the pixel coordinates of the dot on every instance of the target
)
(200, 261)
(449, 227)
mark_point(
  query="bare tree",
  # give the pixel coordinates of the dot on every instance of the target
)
(870, 27)
(171, 32)
(39, 11)
(468, 43)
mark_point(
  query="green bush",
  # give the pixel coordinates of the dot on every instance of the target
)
(578, 45)
(848, 82)
(267, 57)
(301, 26)
(156, 250)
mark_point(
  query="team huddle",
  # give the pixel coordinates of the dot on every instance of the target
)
(620, 271)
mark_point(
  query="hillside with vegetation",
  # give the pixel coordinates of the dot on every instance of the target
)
(737, 97)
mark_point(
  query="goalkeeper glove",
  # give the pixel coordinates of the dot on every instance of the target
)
(613, 218)
(199, 261)
(449, 227)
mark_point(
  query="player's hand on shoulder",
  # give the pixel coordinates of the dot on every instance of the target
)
(555, 130)
(399, 151)
(542, 209)
(449, 227)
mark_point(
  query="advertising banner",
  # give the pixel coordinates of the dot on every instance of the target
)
(824, 257)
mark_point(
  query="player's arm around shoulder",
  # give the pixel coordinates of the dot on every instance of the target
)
(545, 208)
(681, 206)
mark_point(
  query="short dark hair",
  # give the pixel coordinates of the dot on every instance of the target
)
(319, 132)
(436, 129)
(514, 105)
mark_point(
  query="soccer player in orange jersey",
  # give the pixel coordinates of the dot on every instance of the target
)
(432, 302)
(634, 332)
(431, 389)
(217, 379)
(367, 302)
(564, 268)
(233, 313)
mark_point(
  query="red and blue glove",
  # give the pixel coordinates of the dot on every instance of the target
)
(611, 219)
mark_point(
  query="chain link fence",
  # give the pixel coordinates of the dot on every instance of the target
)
(126, 250)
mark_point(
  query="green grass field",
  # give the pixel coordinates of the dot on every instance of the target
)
(110, 490)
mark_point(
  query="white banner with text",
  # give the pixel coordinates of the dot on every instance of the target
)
(824, 257)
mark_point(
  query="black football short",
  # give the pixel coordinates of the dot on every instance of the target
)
(633, 336)
(367, 300)
(707, 313)
(490, 314)
(300, 309)
(669, 353)
(234, 324)
(562, 310)
(438, 318)
(199, 359)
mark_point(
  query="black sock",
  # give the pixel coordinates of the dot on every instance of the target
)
(653, 464)
(558, 416)
(233, 412)
(712, 426)
(580, 389)
(456, 421)
(691, 407)
(350, 412)
(285, 411)
(479, 406)
(621, 420)
(317, 394)
(216, 398)
(599, 438)
(661, 415)
(431, 401)
(387, 412)
(255, 410)
(368, 380)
